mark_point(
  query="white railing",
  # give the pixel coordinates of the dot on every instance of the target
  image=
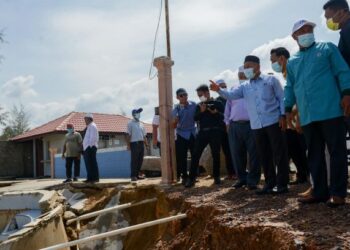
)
(116, 232)
(110, 209)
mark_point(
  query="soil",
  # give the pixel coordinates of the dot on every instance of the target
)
(226, 218)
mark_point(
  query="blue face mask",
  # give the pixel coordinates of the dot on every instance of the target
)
(70, 130)
(276, 67)
(249, 73)
(306, 40)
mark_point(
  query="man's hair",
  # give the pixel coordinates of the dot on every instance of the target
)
(336, 5)
(281, 51)
(203, 87)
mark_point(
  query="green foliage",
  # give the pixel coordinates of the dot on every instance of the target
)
(17, 123)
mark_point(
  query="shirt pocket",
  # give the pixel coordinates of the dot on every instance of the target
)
(267, 92)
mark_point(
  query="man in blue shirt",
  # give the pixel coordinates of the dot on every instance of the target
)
(263, 96)
(318, 82)
(183, 115)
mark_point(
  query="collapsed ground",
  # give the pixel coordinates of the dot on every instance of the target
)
(224, 218)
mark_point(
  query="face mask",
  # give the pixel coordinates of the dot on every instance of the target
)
(203, 98)
(137, 116)
(276, 67)
(306, 40)
(249, 73)
(332, 25)
(70, 130)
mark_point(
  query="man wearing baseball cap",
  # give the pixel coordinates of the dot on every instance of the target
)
(136, 141)
(318, 82)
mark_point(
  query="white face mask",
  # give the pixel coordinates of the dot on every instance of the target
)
(203, 98)
(137, 116)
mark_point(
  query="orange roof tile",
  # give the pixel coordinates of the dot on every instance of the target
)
(106, 123)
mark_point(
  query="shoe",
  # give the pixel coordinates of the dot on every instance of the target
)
(336, 201)
(133, 179)
(189, 183)
(308, 192)
(264, 191)
(67, 180)
(183, 181)
(310, 199)
(280, 190)
(87, 181)
(75, 179)
(217, 181)
(297, 181)
(239, 184)
(140, 177)
(252, 187)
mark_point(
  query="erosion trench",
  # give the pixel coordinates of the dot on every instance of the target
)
(217, 218)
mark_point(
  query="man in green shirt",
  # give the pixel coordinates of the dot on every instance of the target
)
(318, 82)
(72, 149)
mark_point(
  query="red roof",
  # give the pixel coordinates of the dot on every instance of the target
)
(106, 123)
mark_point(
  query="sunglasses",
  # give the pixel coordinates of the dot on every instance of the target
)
(183, 95)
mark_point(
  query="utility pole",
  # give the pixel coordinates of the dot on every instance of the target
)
(165, 91)
(168, 48)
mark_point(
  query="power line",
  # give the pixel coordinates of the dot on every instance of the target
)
(155, 42)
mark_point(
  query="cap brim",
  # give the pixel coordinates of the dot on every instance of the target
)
(313, 25)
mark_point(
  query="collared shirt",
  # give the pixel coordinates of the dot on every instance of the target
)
(91, 136)
(73, 141)
(315, 79)
(136, 130)
(344, 42)
(235, 110)
(263, 98)
(186, 125)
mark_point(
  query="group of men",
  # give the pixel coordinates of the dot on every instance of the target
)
(262, 121)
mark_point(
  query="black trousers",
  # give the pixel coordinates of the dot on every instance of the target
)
(182, 146)
(69, 164)
(297, 153)
(332, 133)
(227, 152)
(91, 164)
(137, 152)
(213, 138)
(272, 149)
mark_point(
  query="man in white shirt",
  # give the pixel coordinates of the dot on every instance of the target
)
(90, 145)
(136, 141)
(155, 126)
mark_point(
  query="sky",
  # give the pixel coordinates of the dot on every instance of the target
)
(95, 55)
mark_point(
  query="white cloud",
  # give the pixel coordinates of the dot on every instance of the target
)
(19, 87)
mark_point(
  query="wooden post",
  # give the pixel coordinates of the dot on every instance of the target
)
(168, 161)
(53, 151)
(167, 26)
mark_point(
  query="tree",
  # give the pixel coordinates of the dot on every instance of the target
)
(3, 117)
(18, 122)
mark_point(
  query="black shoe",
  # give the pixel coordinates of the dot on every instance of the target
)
(264, 191)
(87, 181)
(280, 190)
(67, 180)
(252, 187)
(133, 179)
(183, 181)
(189, 183)
(217, 181)
(140, 177)
(239, 184)
(75, 179)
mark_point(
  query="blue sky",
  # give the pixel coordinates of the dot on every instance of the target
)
(94, 56)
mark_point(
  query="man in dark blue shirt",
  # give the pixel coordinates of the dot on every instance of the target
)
(209, 116)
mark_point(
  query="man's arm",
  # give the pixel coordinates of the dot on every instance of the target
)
(234, 94)
(128, 136)
(289, 97)
(341, 70)
(64, 149)
(277, 88)
(227, 112)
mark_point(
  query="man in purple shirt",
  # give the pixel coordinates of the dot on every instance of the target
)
(241, 141)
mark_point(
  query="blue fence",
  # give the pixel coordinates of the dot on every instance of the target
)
(112, 164)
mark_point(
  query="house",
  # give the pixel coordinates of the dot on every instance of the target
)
(47, 142)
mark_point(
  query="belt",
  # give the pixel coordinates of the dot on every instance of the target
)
(137, 142)
(209, 129)
(242, 121)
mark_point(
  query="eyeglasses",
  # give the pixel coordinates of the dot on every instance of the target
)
(183, 95)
